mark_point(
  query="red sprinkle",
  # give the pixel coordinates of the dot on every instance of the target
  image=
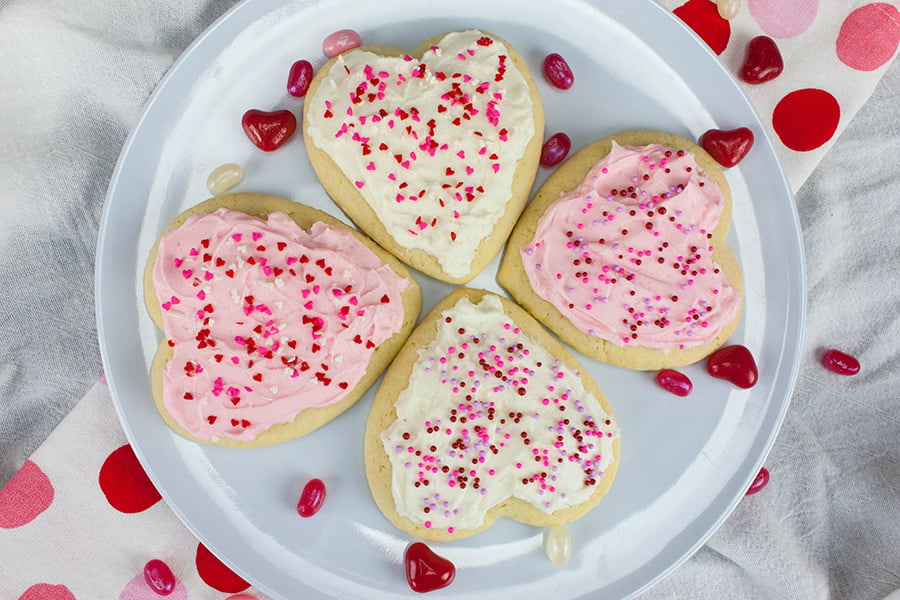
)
(840, 362)
(762, 478)
(675, 382)
(555, 149)
(558, 72)
(311, 498)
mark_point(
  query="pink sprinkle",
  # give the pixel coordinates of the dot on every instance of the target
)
(360, 184)
(187, 273)
(178, 262)
(496, 167)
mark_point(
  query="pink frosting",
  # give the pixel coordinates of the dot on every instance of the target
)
(627, 255)
(266, 319)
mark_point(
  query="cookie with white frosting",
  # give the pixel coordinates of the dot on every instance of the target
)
(275, 316)
(622, 252)
(482, 415)
(433, 152)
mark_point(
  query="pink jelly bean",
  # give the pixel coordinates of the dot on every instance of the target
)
(675, 382)
(762, 478)
(555, 149)
(300, 75)
(159, 577)
(340, 41)
(311, 498)
(840, 363)
(558, 71)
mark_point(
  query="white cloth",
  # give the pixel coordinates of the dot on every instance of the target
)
(76, 76)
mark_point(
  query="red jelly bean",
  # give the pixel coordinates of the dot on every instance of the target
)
(762, 478)
(159, 577)
(300, 75)
(675, 382)
(558, 71)
(311, 498)
(340, 41)
(734, 364)
(555, 149)
(763, 62)
(425, 570)
(269, 130)
(840, 363)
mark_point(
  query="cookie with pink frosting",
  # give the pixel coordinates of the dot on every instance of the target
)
(623, 254)
(483, 415)
(275, 318)
(431, 152)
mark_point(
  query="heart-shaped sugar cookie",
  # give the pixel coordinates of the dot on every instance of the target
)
(483, 414)
(431, 153)
(622, 252)
(276, 318)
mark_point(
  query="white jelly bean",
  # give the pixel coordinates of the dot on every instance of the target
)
(728, 9)
(558, 545)
(340, 41)
(224, 177)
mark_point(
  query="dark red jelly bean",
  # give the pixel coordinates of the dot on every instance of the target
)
(558, 72)
(762, 478)
(269, 130)
(734, 364)
(311, 498)
(425, 570)
(299, 77)
(675, 382)
(555, 149)
(840, 362)
(159, 577)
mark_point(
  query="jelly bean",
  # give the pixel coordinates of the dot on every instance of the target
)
(311, 498)
(159, 577)
(555, 149)
(763, 61)
(340, 41)
(558, 71)
(558, 545)
(224, 177)
(269, 130)
(727, 146)
(840, 362)
(762, 478)
(728, 9)
(675, 382)
(300, 75)
(734, 364)
(425, 570)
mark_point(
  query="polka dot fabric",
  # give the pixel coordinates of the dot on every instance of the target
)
(834, 53)
(81, 518)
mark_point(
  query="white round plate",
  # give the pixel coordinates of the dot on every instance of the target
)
(685, 462)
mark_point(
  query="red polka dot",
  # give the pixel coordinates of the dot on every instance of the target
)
(46, 591)
(25, 496)
(703, 17)
(805, 119)
(124, 482)
(216, 574)
(869, 36)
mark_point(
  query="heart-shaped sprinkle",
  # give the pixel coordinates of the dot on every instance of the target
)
(727, 146)
(840, 362)
(425, 570)
(675, 382)
(763, 62)
(734, 364)
(269, 130)
(759, 482)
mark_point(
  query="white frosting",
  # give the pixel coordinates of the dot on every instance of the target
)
(432, 144)
(468, 393)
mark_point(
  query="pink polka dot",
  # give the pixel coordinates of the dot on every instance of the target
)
(137, 589)
(46, 591)
(27, 495)
(242, 597)
(781, 19)
(869, 36)
(805, 119)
